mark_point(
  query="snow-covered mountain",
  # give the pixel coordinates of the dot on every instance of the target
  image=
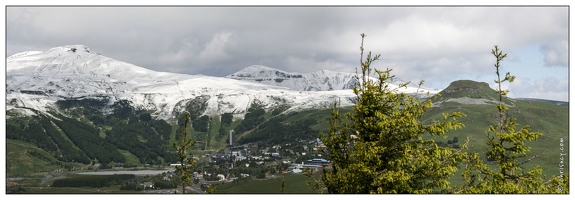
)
(324, 80)
(39, 79)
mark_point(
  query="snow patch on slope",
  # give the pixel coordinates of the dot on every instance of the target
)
(22, 54)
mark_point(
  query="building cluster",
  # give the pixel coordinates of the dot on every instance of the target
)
(316, 164)
(254, 156)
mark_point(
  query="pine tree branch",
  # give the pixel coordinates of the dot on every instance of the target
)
(529, 160)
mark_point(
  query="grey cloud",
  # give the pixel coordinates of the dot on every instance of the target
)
(433, 43)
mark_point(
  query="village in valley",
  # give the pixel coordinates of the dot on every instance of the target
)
(240, 163)
(237, 161)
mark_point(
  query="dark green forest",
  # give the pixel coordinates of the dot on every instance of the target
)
(93, 181)
(87, 136)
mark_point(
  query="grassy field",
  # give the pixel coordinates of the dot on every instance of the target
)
(551, 120)
(131, 159)
(215, 125)
(214, 143)
(20, 163)
(114, 189)
(295, 184)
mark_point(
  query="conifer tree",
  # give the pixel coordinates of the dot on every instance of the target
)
(283, 186)
(184, 143)
(381, 147)
(211, 190)
(506, 146)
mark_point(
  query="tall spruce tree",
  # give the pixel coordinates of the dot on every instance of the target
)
(381, 147)
(506, 146)
(186, 162)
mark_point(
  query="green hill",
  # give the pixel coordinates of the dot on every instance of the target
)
(478, 102)
(295, 184)
(469, 92)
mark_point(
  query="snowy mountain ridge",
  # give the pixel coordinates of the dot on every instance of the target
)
(324, 80)
(38, 79)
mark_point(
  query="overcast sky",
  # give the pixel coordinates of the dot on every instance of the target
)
(436, 44)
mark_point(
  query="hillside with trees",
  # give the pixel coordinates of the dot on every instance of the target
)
(385, 147)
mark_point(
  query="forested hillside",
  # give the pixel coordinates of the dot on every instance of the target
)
(83, 134)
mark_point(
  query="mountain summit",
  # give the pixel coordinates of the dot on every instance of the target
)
(470, 92)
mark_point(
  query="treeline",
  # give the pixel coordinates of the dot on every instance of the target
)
(276, 131)
(147, 140)
(87, 138)
(29, 130)
(67, 150)
(201, 124)
(93, 180)
(122, 110)
(226, 119)
(161, 127)
(132, 186)
(40, 131)
(72, 139)
(252, 119)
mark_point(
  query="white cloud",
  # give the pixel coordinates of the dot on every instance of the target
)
(216, 48)
(556, 53)
(546, 88)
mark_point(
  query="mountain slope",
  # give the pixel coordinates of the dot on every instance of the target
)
(37, 80)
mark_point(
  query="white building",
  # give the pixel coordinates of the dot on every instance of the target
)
(222, 177)
(232, 137)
